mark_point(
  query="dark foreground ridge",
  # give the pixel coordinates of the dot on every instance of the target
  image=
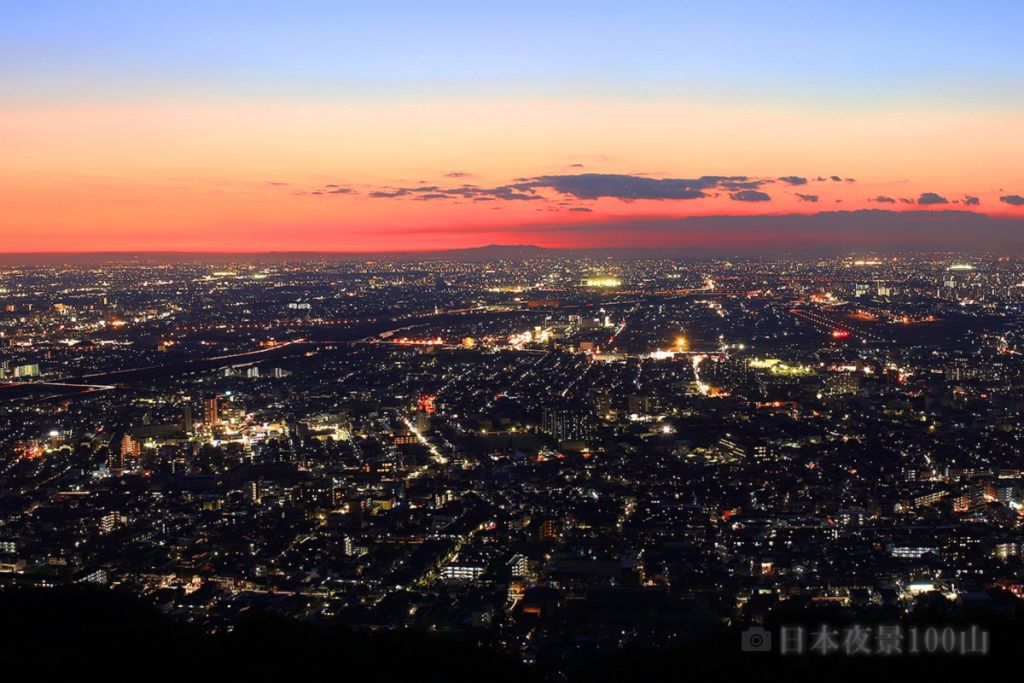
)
(86, 630)
(83, 630)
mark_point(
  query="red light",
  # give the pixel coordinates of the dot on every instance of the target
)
(840, 334)
(426, 403)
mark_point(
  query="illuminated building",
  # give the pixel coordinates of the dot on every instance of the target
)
(130, 447)
(739, 446)
(29, 370)
(602, 282)
(568, 422)
(110, 521)
(211, 412)
(519, 566)
(462, 571)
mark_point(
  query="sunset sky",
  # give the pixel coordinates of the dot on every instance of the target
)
(367, 126)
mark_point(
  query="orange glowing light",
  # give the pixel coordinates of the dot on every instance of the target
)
(426, 403)
(405, 341)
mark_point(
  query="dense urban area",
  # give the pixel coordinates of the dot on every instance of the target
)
(557, 456)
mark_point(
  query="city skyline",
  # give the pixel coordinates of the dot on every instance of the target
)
(382, 128)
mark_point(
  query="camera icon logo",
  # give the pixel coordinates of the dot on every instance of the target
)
(756, 639)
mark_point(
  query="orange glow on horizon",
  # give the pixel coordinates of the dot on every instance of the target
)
(237, 177)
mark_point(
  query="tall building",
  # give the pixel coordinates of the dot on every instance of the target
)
(186, 420)
(130, 447)
(211, 414)
(253, 492)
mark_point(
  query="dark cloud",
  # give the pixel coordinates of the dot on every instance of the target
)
(620, 186)
(807, 197)
(732, 182)
(597, 185)
(473, 192)
(836, 178)
(581, 209)
(388, 194)
(590, 186)
(908, 200)
(971, 201)
(331, 188)
(511, 193)
(576, 165)
(750, 196)
(929, 198)
(458, 174)
(882, 199)
(1012, 199)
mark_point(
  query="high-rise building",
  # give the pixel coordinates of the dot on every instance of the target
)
(253, 491)
(186, 420)
(130, 447)
(211, 414)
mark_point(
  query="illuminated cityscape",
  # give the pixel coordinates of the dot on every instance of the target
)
(499, 447)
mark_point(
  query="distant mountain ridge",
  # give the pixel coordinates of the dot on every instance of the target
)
(491, 252)
(823, 233)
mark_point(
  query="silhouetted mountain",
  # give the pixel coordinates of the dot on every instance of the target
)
(494, 252)
(826, 232)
